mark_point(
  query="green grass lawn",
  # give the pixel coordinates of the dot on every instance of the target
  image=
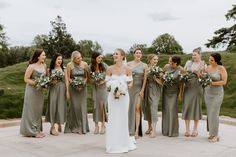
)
(11, 80)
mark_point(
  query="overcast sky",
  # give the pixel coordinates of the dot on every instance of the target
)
(117, 23)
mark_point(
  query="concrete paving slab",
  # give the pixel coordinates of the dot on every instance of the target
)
(12, 144)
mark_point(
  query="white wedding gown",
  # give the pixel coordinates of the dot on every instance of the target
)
(117, 132)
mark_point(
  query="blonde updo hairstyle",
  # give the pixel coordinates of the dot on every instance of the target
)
(122, 52)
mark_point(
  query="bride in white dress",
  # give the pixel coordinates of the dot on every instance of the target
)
(119, 78)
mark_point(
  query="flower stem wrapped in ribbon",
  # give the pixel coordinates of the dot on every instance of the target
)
(205, 80)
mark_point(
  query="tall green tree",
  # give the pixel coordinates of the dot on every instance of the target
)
(135, 46)
(225, 36)
(167, 44)
(3, 39)
(3, 47)
(87, 47)
(39, 40)
(59, 40)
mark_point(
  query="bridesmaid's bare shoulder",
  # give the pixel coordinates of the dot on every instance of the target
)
(145, 65)
(165, 67)
(109, 70)
(128, 70)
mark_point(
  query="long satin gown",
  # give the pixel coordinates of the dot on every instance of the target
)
(117, 134)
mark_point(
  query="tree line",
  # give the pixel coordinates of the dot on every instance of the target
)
(59, 40)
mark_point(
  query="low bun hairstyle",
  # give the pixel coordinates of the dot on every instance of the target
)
(137, 50)
(217, 58)
(122, 52)
(198, 50)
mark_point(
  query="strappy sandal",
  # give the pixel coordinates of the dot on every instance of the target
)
(194, 134)
(96, 131)
(53, 132)
(152, 134)
(187, 134)
(103, 128)
(38, 135)
(215, 139)
(148, 131)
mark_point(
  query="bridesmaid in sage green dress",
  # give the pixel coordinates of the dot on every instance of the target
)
(31, 121)
(170, 122)
(77, 121)
(57, 107)
(193, 93)
(152, 96)
(136, 93)
(214, 94)
(99, 92)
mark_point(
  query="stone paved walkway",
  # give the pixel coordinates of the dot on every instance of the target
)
(12, 144)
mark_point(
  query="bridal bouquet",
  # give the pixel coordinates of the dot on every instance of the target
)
(155, 71)
(169, 79)
(42, 81)
(77, 82)
(97, 77)
(133, 73)
(187, 76)
(118, 88)
(205, 80)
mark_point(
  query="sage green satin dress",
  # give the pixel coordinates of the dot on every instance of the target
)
(213, 96)
(151, 99)
(138, 76)
(57, 106)
(170, 121)
(31, 120)
(192, 96)
(77, 121)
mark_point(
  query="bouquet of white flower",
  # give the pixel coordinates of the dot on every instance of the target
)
(42, 81)
(77, 82)
(57, 75)
(97, 77)
(205, 80)
(155, 71)
(186, 77)
(169, 79)
(118, 88)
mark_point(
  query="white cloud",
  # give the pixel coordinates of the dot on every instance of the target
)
(4, 5)
(117, 23)
(162, 16)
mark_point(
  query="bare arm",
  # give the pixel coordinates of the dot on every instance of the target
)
(67, 84)
(28, 73)
(86, 71)
(68, 73)
(144, 78)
